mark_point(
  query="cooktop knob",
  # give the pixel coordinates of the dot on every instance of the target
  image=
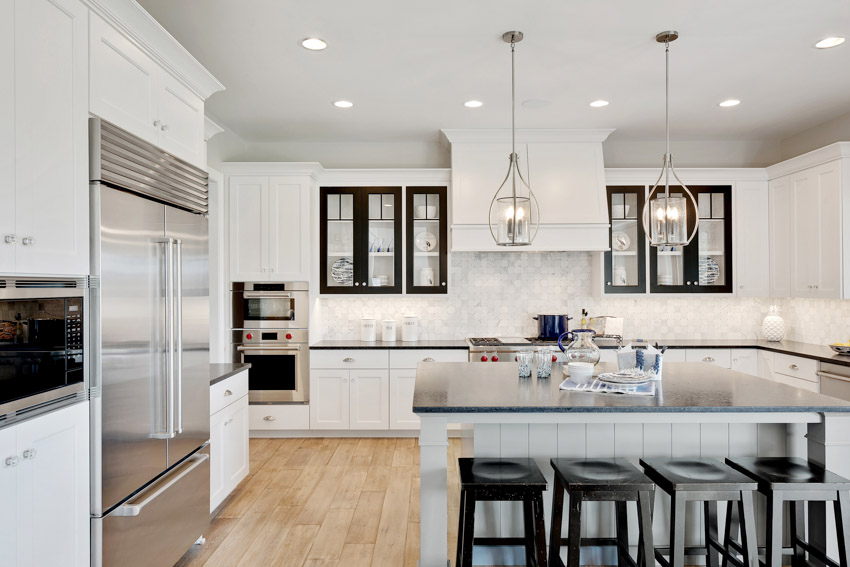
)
(483, 358)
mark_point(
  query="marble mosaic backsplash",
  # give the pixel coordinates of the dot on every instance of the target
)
(497, 294)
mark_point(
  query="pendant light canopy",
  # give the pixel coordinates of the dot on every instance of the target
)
(665, 217)
(514, 214)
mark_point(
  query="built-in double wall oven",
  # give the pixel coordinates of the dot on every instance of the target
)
(270, 331)
(41, 344)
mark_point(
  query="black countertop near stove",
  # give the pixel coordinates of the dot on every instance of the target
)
(223, 371)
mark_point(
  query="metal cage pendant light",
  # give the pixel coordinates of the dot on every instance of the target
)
(514, 214)
(665, 218)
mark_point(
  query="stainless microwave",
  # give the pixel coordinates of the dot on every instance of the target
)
(270, 305)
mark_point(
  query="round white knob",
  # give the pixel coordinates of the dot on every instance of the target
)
(444, 284)
(357, 283)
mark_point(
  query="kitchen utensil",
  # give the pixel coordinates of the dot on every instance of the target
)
(388, 330)
(840, 349)
(620, 241)
(580, 372)
(367, 330)
(709, 271)
(426, 212)
(581, 349)
(409, 328)
(550, 327)
(426, 276)
(342, 271)
(543, 362)
(425, 241)
(525, 358)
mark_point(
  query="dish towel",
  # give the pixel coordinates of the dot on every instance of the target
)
(600, 387)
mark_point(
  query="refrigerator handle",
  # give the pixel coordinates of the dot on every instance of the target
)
(163, 404)
(178, 331)
(155, 491)
(169, 334)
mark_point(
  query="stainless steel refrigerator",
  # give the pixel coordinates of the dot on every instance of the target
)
(150, 352)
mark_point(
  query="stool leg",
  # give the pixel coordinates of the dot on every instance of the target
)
(468, 530)
(842, 525)
(747, 517)
(528, 531)
(677, 531)
(574, 546)
(540, 532)
(460, 522)
(622, 533)
(555, 527)
(797, 532)
(710, 512)
(646, 548)
(731, 529)
(773, 557)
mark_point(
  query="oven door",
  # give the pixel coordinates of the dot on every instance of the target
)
(270, 309)
(278, 373)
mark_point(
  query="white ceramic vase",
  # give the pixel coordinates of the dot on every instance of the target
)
(773, 326)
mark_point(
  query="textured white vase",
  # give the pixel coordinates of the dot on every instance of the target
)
(773, 326)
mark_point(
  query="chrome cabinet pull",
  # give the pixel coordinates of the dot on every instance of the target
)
(156, 123)
(444, 284)
(689, 283)
(12, 461)
(29, 454)
(348, 359)
(227, 393)
(428, 359)
(357, 283)
(708, 359)
(164, 127)
(10, 239)
(28, 241)
(794, 367)
(269, 418)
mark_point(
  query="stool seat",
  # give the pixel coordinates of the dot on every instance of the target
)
(497, 473)
(588, 475)
(781, 473)
(695, 474)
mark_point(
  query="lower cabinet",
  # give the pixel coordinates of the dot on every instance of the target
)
(745, 360)
(796, 371)
(228, 442)
(402, 383)
(349, 399)
(44, 490)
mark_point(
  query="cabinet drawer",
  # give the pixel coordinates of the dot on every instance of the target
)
(795, 366)
(285, 416)
(349, 359)
(228, 391)
(410, 358)
(797, 383)
(718, 356)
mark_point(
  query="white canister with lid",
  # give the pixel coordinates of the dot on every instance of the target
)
(409, 329)
(367, 330)
(388, 330)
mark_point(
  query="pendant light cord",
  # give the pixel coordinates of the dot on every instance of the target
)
(667, 92)
(513, 101)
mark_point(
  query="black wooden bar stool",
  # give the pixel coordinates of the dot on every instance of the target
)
(707, 481)
(600, 480)
(788, 479)
(502, 480)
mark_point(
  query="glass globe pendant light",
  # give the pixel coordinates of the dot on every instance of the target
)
(514, 214)
(665, 218)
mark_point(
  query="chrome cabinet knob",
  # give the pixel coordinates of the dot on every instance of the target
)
(156, 123)
(28, 241)
(364, 284)
(609, 283)
(740, 287)
(345, 379)
(428, 359)
(10, 239)
(708, 359)
(262, 269)
(11, 461)
(348, 359)
(227, 393)
(29, 454)
(794, 367)
(689, 283)
(269, 418)
(271, 269)
(164, 127)
(444, 284)
(357, 283)
(814, 286)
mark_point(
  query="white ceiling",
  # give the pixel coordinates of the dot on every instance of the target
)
(409, 66)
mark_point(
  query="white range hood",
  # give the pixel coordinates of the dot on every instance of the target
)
(566, 173)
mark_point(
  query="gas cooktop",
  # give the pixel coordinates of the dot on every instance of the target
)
(530, 341)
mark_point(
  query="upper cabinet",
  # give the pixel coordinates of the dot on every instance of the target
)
(809, 196)
(427, 247)
(44, 137)
(625, 262)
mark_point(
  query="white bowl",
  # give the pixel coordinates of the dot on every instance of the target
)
(423, 211)
(580, 372)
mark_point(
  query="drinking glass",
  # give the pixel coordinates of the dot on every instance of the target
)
(525, 358)
(543, 360)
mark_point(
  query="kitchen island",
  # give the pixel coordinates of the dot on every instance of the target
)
(698, 410)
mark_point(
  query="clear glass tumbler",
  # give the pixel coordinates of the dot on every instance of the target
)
(525, 359)
(543, 361)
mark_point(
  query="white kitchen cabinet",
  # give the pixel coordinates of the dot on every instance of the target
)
(45, 490)
(797, 382)
(329, 399)
(266, 417)
(129, 89)
(270, 228)
(403, 365)
(752, 246)
(765, 364)
(349, 399)
(745, 360)
(229, 460)
(779, 212)
(44, 141)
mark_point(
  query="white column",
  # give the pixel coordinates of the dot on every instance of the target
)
(433, 491)
(829, 447)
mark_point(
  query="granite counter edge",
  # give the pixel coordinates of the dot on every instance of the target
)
(223, 371)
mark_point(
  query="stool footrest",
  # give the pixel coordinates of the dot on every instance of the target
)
(816, 553)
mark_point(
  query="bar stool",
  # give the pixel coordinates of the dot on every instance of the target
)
(600, 480)
(502, 480)
(793, 480)
(707, 481)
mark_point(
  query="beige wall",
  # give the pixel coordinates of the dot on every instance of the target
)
(831, 131)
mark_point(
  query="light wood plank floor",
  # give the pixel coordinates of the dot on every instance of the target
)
(325, 502)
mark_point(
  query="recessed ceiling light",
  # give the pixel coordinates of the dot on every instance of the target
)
(473, 104)
(599, 103)
(313, 44)
(343, 104)
(829, 42)
(729, 102)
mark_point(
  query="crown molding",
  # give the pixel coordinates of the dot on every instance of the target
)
(525, 136)
(400, 176)
(694, 175)
(128, 17)
(825, 154)
(311, 168)
(211, 128)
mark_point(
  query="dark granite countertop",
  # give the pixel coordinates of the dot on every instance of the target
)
(359, 345)
(222, 371)
(476, 387)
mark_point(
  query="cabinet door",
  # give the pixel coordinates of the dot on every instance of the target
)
(289, 223)
(53, 488)
(123, 82)
(217, 454)
(745, 360)
(236, 444)
(401, 400)
(378, 235)
(625, 263)
(765, 364)
(329, 399)
(337, 248)
(828, 180)
(427, 235)
(780, 237)
(752, 248)
(369, 399)
(249, 236)
(7, 139)
(9, 465)
(51, 116)
(180, 114)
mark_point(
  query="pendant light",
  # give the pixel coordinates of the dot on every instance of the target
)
(514, 214)
(665, 218)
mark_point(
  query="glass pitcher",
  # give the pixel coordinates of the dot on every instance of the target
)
(582, 348)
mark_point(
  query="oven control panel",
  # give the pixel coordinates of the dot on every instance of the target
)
(268, 336)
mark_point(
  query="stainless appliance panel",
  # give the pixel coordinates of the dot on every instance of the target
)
(270, 305)
(280, 364)
(132, 320)
(190, 233)
(158, 525)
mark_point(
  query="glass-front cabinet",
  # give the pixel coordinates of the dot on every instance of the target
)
(426, 240)
(358, 237)
(625, 263)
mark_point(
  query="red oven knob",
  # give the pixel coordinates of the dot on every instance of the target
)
(483, 358)
(288, 335)
(495, 358)
(554, 358)
(516, 359)
(249, 336)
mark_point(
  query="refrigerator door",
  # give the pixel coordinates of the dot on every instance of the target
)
(189, 235)
(134, 416)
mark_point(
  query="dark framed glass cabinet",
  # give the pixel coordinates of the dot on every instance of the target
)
(427, 242)
(625, 262)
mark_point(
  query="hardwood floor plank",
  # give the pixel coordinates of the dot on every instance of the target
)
(403, 454)
(322, 455)
(364, 451)
(328, 544)
(411, 545)
(319, 503)
(295, 547)
(300, 458)
(236, 544)
(392, 528)
(270, 537)
(247, 494)
(376, 478)
(344, 452)
(198, 555)
(384, 451)
(350, 487)
(367, 516)
(357, 555)
(284, 478)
